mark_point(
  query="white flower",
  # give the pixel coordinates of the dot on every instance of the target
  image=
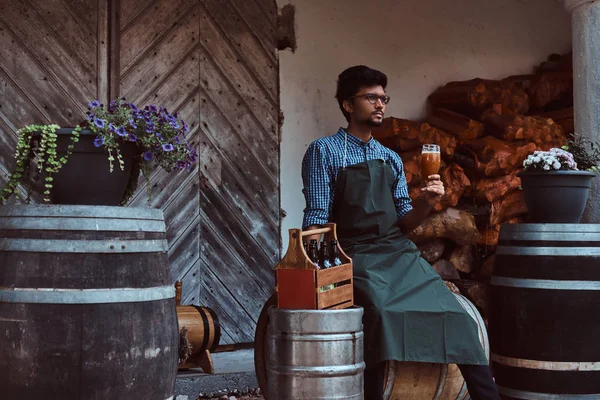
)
(556, 165)
(546, 167)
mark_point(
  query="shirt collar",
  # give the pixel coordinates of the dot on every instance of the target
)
(355, 140)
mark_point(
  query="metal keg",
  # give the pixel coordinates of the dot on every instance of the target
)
(315, 354)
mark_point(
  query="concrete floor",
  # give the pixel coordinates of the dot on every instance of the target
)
(234, 370)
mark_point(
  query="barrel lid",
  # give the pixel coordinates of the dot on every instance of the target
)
(75, 211)
(316, 321)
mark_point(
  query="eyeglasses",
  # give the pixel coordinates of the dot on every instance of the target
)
(372, 98)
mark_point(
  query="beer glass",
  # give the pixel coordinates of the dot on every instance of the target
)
(430, 160)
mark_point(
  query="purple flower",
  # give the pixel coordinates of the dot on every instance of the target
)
(133, 107)
(185, 128)
(167, 147)
(121, 132)
(99, 123)
(99, 141)
(132, 123)
(177, 140)
(112, 106)
(180, 164)
(152, 108)
(91, 117)
(148, 156)
(94, 104)
(150, 128)
(132, 137)
(159, 136)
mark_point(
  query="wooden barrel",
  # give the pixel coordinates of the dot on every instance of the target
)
(87, 309)
(424, 381)
(200, 330)
(315, 354)
(544, 297)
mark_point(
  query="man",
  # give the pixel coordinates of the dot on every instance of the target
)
(352, 180)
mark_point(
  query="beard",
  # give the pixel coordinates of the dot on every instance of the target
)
(374, 123)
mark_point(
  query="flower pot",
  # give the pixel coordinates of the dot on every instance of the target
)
(85, 179)
(556, 196)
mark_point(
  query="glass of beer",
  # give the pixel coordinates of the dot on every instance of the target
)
(430, 160)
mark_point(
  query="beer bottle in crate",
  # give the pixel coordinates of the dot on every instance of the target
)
(324, 261)
(335, 254)
(313, 253)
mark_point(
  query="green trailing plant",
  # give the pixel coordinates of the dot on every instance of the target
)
(586, 153)
(38, 143)
(159, 136)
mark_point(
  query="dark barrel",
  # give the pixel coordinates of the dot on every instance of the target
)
(87, 309)
(543, 324)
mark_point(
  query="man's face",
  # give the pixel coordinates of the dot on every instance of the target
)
(367, 107)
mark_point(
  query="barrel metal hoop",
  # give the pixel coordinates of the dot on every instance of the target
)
(545, 284)
(552, 236)
(77, 211)
(319, 371)
(85, 296)
(548, 251)
(83, 246)
(522, 394)
(335, 337)
(546, 365)
(81, 224)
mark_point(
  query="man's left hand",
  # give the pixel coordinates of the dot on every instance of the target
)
(434, 189)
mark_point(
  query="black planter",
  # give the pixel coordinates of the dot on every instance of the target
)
(556, 196)
(85, 178)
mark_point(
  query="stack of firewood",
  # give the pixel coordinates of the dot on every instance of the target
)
(485, 129)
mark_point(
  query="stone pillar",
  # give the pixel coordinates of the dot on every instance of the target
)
(585, 16)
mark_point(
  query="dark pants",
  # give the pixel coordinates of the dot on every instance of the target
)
(478, 378)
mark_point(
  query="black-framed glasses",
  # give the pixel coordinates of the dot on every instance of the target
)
(372, 98)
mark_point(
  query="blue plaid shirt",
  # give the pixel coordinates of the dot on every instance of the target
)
(320, 167)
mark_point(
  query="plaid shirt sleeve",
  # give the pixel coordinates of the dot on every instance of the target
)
(400, 189)
(316, 181)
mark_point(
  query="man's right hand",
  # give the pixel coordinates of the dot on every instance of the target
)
(317, 237)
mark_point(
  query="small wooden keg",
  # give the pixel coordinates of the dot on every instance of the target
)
(199, 332)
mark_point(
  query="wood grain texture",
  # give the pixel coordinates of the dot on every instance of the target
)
(213, 62)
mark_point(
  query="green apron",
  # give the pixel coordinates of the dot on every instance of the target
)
(410, 315)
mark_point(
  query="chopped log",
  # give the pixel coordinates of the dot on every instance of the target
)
(404, 135)
(475, 291)
(472, 97)
(487, 269)
(456, 225)
(445, 269)
(489, 236)
(462, 258)
(539, 130)
(552, 87)
(452, 287)
(509, 207)
(565, 118)
(522, 81)
(557, 62)
(481, 211)
(463, 127)
(432, 251)
(412, 167)
(492, 189)
(495, 157)
(455, 183)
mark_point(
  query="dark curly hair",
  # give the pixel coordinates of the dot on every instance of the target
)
(351, 80)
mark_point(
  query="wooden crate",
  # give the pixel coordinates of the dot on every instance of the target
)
(299, 280)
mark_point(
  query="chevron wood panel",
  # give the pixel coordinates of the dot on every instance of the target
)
(49, 57)
(215, 63)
